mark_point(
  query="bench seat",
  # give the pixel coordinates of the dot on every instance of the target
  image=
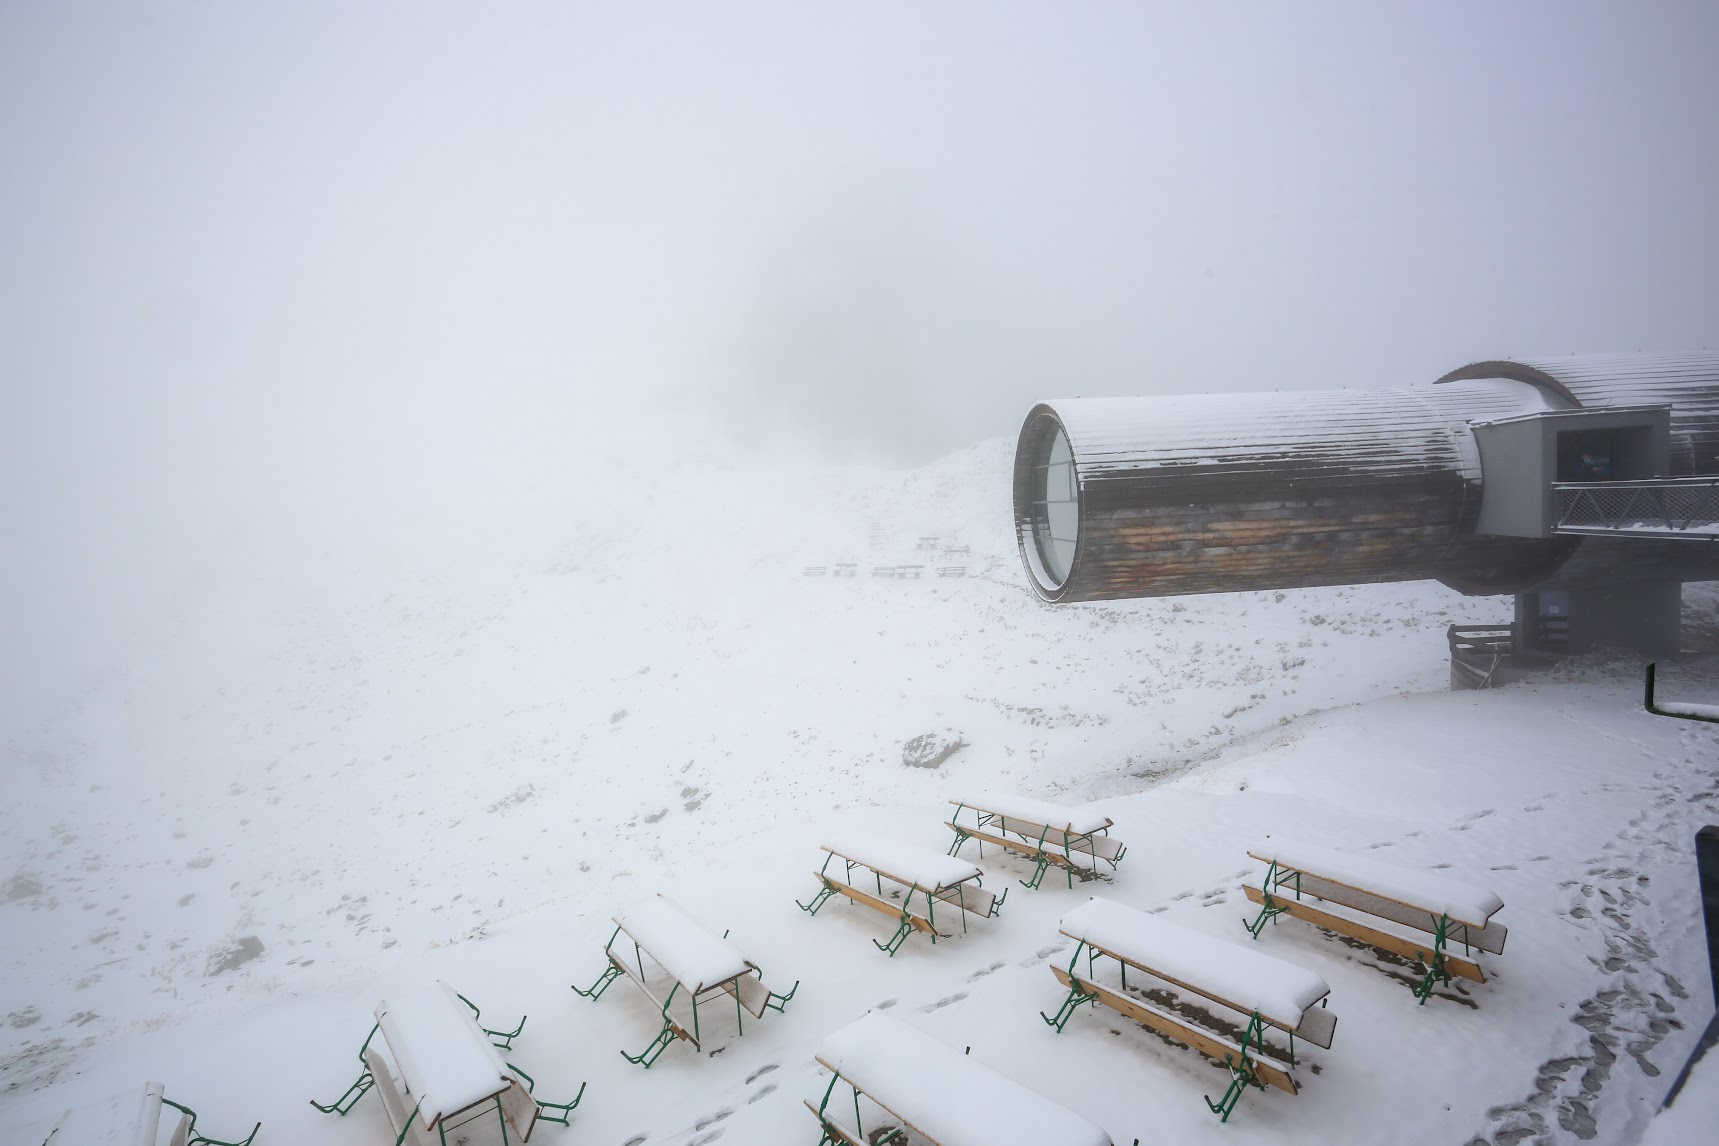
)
(1412, 897)
(1235, 976)
(1213, 1046)
(1408, 946)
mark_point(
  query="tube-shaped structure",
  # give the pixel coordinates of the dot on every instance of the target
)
(1147, 497)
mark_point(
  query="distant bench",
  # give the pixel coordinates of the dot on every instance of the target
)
(930, 876)
(920, 1090)
(1266, 992)
(1447, 910)
(1075, 839)
(693, 965)
(441, 1072)
(132, 1116)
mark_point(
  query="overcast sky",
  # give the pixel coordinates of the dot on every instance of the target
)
(305, 262)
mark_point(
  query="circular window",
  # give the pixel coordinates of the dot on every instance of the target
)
(1055, 510)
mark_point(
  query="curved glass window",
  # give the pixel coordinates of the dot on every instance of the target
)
(1056, 506)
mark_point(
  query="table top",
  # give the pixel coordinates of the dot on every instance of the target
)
(443, 1055)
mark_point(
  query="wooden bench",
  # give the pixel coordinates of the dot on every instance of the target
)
(436, 1071)
(1264, 991)
(133, 1117)
(1435, 911)
(1074, 839)
(688, 965)
(918, 1091)
(930, 876)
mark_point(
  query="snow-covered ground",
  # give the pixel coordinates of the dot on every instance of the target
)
(457, 765)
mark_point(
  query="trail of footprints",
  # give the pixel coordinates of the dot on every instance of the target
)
(1635, 1010)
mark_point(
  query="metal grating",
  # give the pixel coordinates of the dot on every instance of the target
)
(1663, 508)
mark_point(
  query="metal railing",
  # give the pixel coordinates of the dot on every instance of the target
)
(1685, 508)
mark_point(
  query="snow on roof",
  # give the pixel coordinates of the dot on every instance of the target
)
(443, 1055)
(686, 948)
(1436, 894)
(129, 1118)
(1074, 821)
(909, 863)
(1247, 979)
(945, 1094)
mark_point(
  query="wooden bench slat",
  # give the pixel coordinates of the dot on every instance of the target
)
(1092, 844)
(1400, 945)
(1193, 987)
(917, 921)
(1489, 938)
(638, 981)
(1212, 1046)
(1031, 851)
(1318, 1026)
(829, 1123)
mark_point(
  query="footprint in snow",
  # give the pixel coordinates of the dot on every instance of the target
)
(763, 1092)
(983, 971)
(761, 1072)
(945, 1001)
(712, 1119)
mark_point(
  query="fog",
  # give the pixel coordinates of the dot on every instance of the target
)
(279, 282)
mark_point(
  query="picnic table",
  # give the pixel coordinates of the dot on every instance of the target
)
(441, 1074)
(1392, 898)
(133, 1118)
(919, 1090)
(1075, 839)
(1267, 992)
(689, 965)
(931, 876)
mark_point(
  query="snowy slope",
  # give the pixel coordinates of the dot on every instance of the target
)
(459, 764)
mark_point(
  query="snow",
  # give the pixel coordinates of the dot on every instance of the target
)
(1703, 711)
(686, 949)
(130, 1118)
(1694, 1117)
(444, 1057)
(1075, 821)
(948, 1096)
(1245, 978)
(455, 765)
(906, 863)
(1434, 894)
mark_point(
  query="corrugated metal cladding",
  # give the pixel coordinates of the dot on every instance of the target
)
(1231, 492)
(1688, 383)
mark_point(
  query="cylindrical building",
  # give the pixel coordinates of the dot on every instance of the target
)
(1148, 497)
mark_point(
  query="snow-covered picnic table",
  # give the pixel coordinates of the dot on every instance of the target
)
(688, 964)
(1264, 990)
(930, 875)
(440, 1071)
(1447, 909)
(1075, 839)
(446, 1062)
(942, 1095)
(131, 1118)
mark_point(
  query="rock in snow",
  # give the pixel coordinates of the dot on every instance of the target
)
(931, 749)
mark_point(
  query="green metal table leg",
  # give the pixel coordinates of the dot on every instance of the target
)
(609, 975)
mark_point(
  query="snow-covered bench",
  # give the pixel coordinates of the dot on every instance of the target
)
(132, 1118)
(688, 965)
(1429, 905)
(436, 1071)
(1075, 839)
(921, 1092)
(926, 878)
(1267, 992)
